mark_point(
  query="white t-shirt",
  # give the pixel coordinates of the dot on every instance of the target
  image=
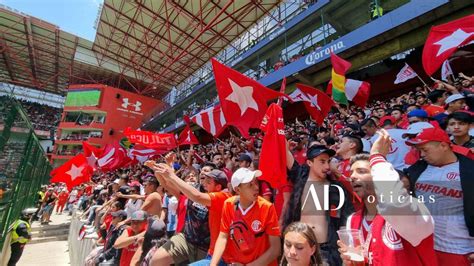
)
(398, 149)
(132, 206)
(444, 184)
(171, 203)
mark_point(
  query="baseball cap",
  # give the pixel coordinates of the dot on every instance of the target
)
(316, 150)
(218, 176)
(139, 216)
(244, 175)
(429, 134)
(454, 97)
(124, 190)
(416, 128)
(385, 118)
(156, 228)
(120, 213)
(245, 157)
(116, 181)
(418, 113)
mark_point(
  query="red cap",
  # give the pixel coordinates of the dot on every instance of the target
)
(385, 118)
(429, 134)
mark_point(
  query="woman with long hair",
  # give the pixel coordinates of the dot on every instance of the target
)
(300, 246)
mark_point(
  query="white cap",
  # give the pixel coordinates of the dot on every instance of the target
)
(116, 181)
(416, 128)
(244, 175)
(454, 97)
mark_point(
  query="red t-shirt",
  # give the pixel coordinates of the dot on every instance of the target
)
(63, 197)
(433, 110)
(228, 173)
(128, 251)
(300, 156)
(261, 217)
(279, 197)
(215, 215)
(108, 221)
(181, 212)
(265, 189)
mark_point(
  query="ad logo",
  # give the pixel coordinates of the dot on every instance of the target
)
(325, 206)
(126, 103)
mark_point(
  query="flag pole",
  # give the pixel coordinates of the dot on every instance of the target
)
(426, 85)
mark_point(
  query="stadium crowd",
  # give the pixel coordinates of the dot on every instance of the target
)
(206, 206)
(42, 117)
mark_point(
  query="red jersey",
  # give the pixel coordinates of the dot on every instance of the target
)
(300, 156)
(260, 218)
(63, 196)
(345, 169)
(388, 248)
(279, 197)
(128, 251)
(181, 212)
(215, 215)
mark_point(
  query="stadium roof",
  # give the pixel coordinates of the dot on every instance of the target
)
(143, 46)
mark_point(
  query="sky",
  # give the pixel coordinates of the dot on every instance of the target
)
(74, 16)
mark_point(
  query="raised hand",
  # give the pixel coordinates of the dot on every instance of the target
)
(382, 144)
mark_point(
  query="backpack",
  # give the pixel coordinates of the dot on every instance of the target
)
(242, 236)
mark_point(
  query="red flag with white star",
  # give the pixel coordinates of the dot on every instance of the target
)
(316, 102)
(73, 173)
(92, 153)
(443, 40)
(187, 137)
(243, 100)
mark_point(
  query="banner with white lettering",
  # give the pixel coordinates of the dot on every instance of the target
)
(162, 141)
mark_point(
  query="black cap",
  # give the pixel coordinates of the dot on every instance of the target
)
(245, 157)
(124, 190)
(219, 177)
(316, 150)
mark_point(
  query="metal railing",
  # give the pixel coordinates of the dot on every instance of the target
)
(24, 166)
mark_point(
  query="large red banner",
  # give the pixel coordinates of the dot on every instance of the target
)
(162, 141)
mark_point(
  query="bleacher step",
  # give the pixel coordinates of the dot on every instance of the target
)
(56, 232)
(48, 239)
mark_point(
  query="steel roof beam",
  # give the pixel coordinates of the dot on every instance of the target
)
(133, 37)
(56, 79)
(6, 58)
(30, 43)
(166, 21)
(126, 59)
(156, 34)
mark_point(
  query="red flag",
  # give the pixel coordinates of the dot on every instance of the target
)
(212, 120)
(113, 157)
(73, 172)
(92, 153)
(164, 141)
(282, 90)
(140, 153)
(273, 154)
(243, 100)
(316, 102)
(187, 137)
(444, 40)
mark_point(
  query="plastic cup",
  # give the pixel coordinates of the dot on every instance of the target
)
(354, 241)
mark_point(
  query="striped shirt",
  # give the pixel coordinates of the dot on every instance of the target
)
(443, 184)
